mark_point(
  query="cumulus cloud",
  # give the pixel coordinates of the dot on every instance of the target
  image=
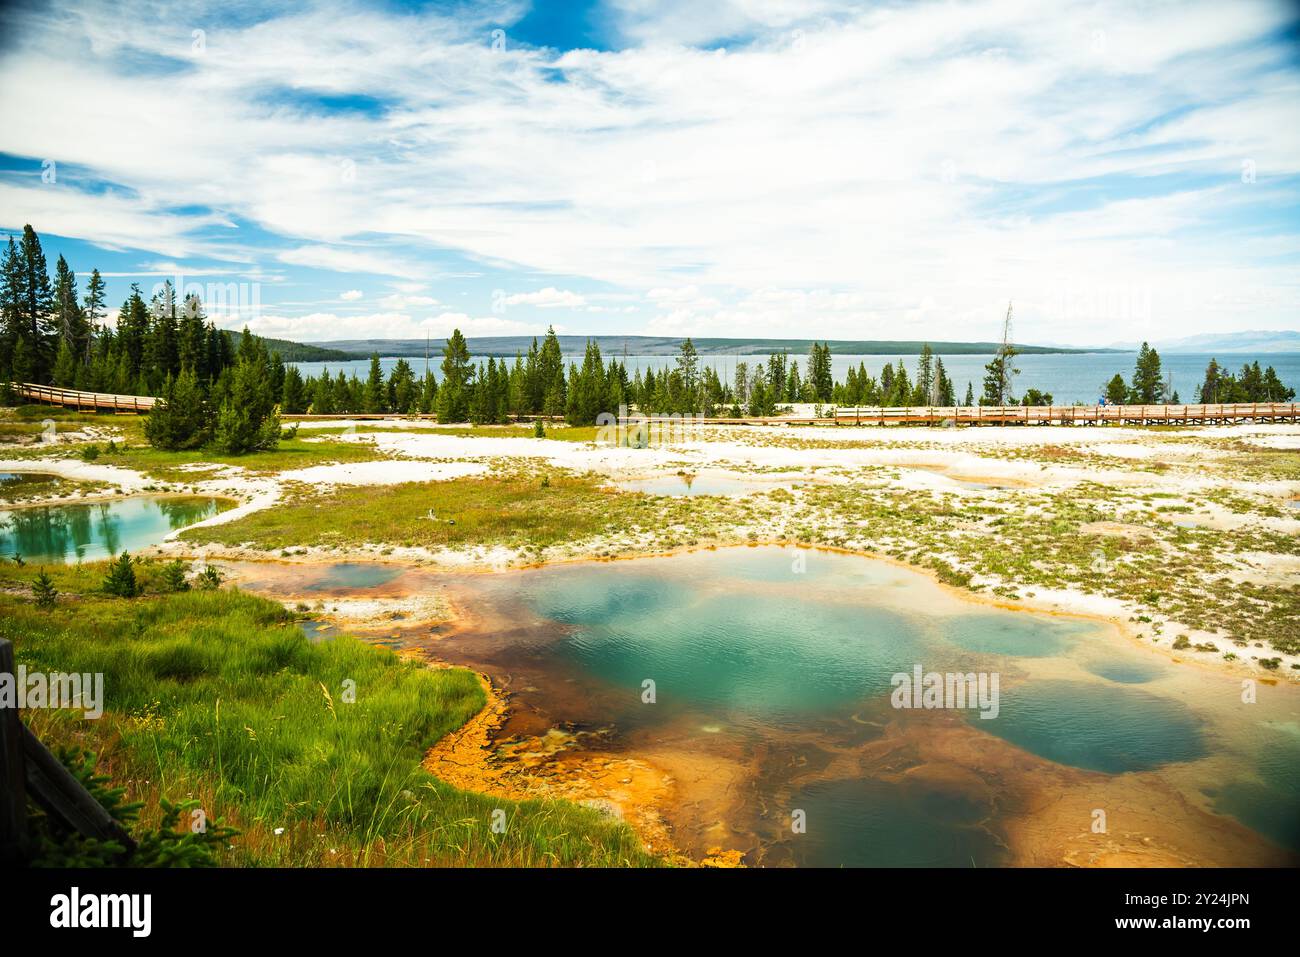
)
(343, 259)
(442, 325)
(548, 298)
(876, 166)
(319, 326)
(351, 295)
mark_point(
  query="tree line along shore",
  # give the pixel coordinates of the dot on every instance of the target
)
(227, 390)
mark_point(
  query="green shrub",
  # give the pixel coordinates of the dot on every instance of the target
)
(121, 580)
(210, 578)
(173, 576)
(181, 418)
(44, 591)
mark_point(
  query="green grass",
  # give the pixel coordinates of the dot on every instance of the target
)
(290, 454)
(216, 695)
(136, 453)
(25, 422)
(516, 510)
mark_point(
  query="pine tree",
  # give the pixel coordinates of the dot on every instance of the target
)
(428, 393)
(133, 332)
(181, 418)
(586, 396)
(65, 365)
(1117, 391)
(23, 363)
(121, 580)
(374, 398)
(93, 308)
(550, 369)
(11, 324)
(1148, 381)
(403, 393)
(248, 418)
(293, 394)
(69, 319)
(173, 576)
(688, 366)
(925, 380)
(1274, 390)
(36, 305)
(944, 392)
(900, 393)
(191, 351)
(162, 353)
(457, 379)
(997, 379)
(819, 373)
(480, 405)
(44, 592)
(1208, 391)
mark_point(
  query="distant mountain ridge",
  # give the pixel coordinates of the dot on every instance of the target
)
(297, 351)
(669, 345)
(1282, 340)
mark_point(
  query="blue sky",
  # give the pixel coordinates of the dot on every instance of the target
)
(326, 170)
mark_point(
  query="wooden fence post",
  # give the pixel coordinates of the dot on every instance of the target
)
(30, 769)
(13, 785)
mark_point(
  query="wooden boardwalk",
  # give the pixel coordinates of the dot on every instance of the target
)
(1211, 414)
(84, 401)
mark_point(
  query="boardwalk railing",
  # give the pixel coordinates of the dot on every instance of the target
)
(1072, 414)
(872, 415)
(29, 769)
(83, 401)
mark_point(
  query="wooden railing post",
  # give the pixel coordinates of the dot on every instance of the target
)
(13, 783)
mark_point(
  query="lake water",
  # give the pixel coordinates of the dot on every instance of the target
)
(94, 530)
(773, 673)
(1070, 378)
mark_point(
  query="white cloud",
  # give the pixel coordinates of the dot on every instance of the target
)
(343, 259)
(853, 170)
(405, 301)
(351, 295)
(442, 325)
(318, 326)
(548, 298)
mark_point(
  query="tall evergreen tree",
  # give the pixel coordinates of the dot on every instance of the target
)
(944, 392)
(36, 305)
(133, 330)
(1148, 381)
(293, 394)
(550, 369)
(248, 418)
(93, 308)
(925, 379)
(180, 419)
(375, 392)
(457, 380)
(11, 296)
(69, 320)
(1117, 392)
